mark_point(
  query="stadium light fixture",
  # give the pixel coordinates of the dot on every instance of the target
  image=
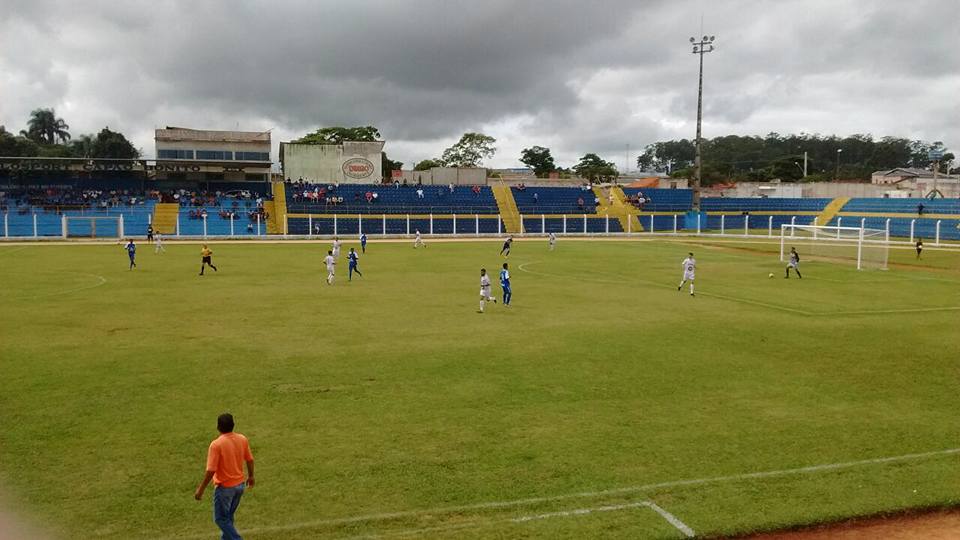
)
(705, 45)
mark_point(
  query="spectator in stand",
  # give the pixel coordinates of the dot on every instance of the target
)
(596, 201)
(419, 191)
(356, 197)
(375, 196)
(451, 187)
(369, 196)
(580, 203)
(920, 208)
(476, 190)
(536, 198)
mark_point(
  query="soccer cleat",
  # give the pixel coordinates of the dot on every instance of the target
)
(680, 287)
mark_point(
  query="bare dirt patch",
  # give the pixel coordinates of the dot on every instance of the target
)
(936, 525)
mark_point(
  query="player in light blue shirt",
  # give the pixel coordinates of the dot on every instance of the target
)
(505, 284)
(132, 253)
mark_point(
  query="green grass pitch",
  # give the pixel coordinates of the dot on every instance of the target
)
(389, 406)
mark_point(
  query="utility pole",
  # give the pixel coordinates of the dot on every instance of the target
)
(701, 47)
(804, 163)
(836, 175)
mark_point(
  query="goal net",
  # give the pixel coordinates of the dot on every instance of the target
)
(92, 227)
(866, 248)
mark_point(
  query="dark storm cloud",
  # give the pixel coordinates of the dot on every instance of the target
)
(577, 76)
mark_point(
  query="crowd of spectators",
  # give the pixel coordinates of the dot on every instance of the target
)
(66, 198)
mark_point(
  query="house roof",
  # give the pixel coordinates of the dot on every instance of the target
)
(175, 134)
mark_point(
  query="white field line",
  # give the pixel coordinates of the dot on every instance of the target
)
(100, 281)
(680, 526)
(6, 251)
(579, 512)
(491, 505)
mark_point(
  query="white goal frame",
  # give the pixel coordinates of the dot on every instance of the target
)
(93, 220)
(833, 234)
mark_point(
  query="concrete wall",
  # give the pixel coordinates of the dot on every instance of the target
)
(446, 175)
(349, 163)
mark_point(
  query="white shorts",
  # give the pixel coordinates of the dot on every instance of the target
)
(688, 276)
(330, 270)
(792, 264)
(484, 293)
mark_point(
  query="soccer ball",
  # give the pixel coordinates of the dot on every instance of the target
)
(770, 275)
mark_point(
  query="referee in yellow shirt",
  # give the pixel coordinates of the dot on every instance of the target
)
(206, 253)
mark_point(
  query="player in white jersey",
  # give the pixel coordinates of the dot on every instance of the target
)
(158, 243)
(418, 241)
(331, 263)
(794, 263)
(336, 248)
(552, 239)
(689, 272)
(485, 295)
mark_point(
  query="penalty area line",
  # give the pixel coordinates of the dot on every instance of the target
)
(494, 505)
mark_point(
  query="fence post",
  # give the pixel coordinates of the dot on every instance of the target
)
(335, 225)
(629, 225)
(699, 215)
(584, 224)
(454, 224)
(746, 225)
(887, 235)
(431, 223)
(913, 222)
(770, 227)
(384, 225)
(178, 222)
(543, 224)
(606, 224)
(476, 224)
(309, 225)
(359, 224)
(723, 224)
(286, 224)
(120, 226)
(204, 225)
(938, 232)
(839, 222)
(408, 224)
(35, 225)
(63, 226)
(231, 223)
(258, 224)
(674, 224)
(6, 225)
(499, 224)
(149, 219)
(793, 222)
(564, 224)
(863, 223)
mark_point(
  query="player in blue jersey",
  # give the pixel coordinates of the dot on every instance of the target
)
(353, 258)
(132, 253)
(505, 285)
(363, 242)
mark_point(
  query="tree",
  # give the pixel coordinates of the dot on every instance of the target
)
(111, 144)
(387, 165)
(593, 167)
(539, 159)
(470, 151)
(337, 135)
(427, 164)
(82, 146)
(45, 128)
(12, 145)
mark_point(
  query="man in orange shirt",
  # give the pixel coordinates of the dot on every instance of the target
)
(225, 459)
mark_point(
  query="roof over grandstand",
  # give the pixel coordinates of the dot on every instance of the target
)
(174, 134)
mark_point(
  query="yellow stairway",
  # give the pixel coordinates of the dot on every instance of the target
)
(830, 211)
(165, 218)
(625, 212)
(508, 209)
(277, 209)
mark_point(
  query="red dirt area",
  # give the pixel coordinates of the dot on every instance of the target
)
(936, 525)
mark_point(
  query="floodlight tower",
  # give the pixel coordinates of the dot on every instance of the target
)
(701, 47)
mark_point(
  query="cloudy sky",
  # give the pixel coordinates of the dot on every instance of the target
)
(574, 76)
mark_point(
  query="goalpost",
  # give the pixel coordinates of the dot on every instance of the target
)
(92, 227)
(868, 248)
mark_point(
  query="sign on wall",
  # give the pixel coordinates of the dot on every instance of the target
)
(358, 168)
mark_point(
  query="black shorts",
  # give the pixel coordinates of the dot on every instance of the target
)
(149, 237)
(206, 260)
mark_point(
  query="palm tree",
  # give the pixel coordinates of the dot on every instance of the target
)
(82, 146)
(45, 128)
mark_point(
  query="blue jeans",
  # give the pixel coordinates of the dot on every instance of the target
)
(225, 503)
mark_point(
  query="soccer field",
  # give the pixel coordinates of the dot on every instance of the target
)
(602, 403)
